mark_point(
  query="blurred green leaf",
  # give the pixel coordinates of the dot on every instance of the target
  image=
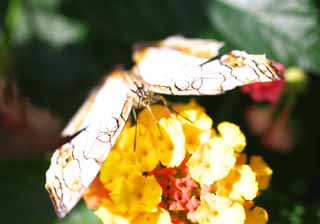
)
(23, 196)
(4, 53)
(81, 214)
(287, 31)
(25, 200)
(142, 20)
(284, 209)
(41, 19)
(3, 12)
(58, 80)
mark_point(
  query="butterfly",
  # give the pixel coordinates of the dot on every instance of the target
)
(174, 66)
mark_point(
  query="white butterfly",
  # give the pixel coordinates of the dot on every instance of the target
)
(175, 66)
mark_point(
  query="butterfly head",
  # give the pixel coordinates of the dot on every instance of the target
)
(142, 97)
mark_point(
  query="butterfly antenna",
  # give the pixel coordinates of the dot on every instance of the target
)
(134, 113)
(209, 60)
(154, 118)
(68, 138)
(171, 110)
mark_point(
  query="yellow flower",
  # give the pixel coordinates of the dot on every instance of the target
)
(166, 135)
(196, 124)
(107, 217)
(239, 184)
(211, 162)
(241, 159)
(161, 216)
(262, 170)
(172, 141)
(257, 215)
(219, 210)
(193, 105)
(118, 164)
(146, 151)
(139, 141)
(125, 139)
(136, 194)
(232, 134)
(151, 118)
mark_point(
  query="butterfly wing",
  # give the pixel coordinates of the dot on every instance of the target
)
(174, 72)
(206, 48)
(75, 164)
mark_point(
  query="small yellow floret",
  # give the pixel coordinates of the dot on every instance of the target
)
(161, 216)
(239, 184)
(219, 210)
(196, 125)
(257, 215)
(139, 142)
(241, 159)
(232, 134)
(136, 194)
(151, 118)
(180, 107)
(118, 164)
(163, 133)
(171, 142)
(146, 150)
(125, 139)
(211, 162)
(262, 170)
(107, 217)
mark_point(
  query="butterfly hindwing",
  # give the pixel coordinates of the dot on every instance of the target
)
(75, 164)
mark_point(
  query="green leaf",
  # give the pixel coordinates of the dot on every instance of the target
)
(129, 22)
(4, 52)
(25, 199)
(81, 214)
(287, 31)
(41, 19)
(23, 196)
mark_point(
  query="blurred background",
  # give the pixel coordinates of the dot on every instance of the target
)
(52, 52)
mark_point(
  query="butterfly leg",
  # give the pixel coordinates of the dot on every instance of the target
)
(171, 109)
(134, 114)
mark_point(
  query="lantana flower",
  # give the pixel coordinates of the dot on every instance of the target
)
(176, 168)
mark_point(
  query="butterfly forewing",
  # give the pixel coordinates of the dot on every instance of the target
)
(75, 164)
(206, 48)
(203, 48)
(173, 72)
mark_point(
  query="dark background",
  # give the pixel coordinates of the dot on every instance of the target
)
(56, 51)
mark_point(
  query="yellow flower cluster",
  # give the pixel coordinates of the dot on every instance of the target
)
(218, 186)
